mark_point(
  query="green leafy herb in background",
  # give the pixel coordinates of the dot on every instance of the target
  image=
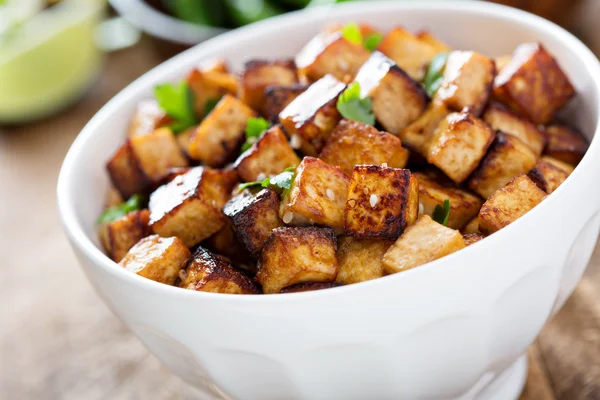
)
(113, 213)
(278, 183)
(435, 74)
(210, 104)
(202, 12)
(441, 214)
(254, 128)
(177, 100)
(353, 107)
(351, 32)
(372, 41)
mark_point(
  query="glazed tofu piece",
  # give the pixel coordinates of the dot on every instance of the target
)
(270, 155)
(502, 119)
(353, 143)
(317, 195)
(397, 99)
(422, 242)
(258, 74)
(226, 243)
(416, 136)
(220, 135)
(382, 202)
(558, 163)
(157, 258)
(208, 272)
(329, 53)
(310, 117)
(189, 206)
(360, 259)
(533, 84)
(147, 118)
(467, 83)
(254, 217)
(509, 203)
(547, 176)
(565, 144)
(209, 85)
(434, 189)
(508, 157)
(294, 255)
(471, 238)
(459, 144)
(142, 161)
(434, 41)
(279, 97)
(309, 287)
(472, 226)
(122, 234)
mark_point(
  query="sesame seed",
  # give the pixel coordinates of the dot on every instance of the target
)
(352, 203)
(366, 190)
(182, 274)
(261, 176)
(384, 165)
(421, 208)
(330, 194)
(295, 142)
(288, 217)
(373, 200)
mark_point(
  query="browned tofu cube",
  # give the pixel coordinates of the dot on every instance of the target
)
(147, 118)
(565, 144)
(467, 83)
(434, 190)
(329, 53)
(310, 117)
(226, 242)
(459, 144)
(208, 272)
(270, 155)
(184, 138)
(416, 136)
(216, 64)
(360, 259)
(294, 255)
(502, 62)
(502, 119)
(471, 238)
(533, 84)
(397, 99)
(382, 202)
(189, 206)
(435, 42)
(508, 204)
(472, 226)
(422, 242)
(547, 176)
(258, 74)
(558, 163)
(122, 234)
(279, 97)
(309, 287)
(220, 135)
(143, 161)
(508, 157)
(254, 217)
(209, 86)
(317, 195)
(157, 258)
(353, 143)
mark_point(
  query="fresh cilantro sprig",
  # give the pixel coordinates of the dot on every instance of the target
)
(353, 107)
(113, 213)
(372, 41)
(278, 183)
(177, 100)
(254, 128)
(435, 73)
(210, 104)
(441, 214)
(351, 32)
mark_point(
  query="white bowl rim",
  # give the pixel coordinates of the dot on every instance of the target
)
(74, 229)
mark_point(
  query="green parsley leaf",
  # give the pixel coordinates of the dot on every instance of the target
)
(351, 32)
(435, 73)
(353, 107)
(113, 213)
(177, 100)
(254, 128)
(441, 214)
(372, 41)
(210, 104)
(280, 182)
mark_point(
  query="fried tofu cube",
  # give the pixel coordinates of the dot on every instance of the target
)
(360, 259)
(311, 116)
(547, 176)
(565, 144)
(507, 157)
(558, 163)
(269, 156)
(258, 74)
(317, 195)
(309, 287)
(472, 226)
(502, 62)
(189, 206)
(502, 119)
(226, 242)
(220, 135)
(208, 86)
(382, 202)
(533, 84)
(509, 203)
(435, 42)
(294, 255)
(157, 258)
(208, 272)
(467, 82)
(434, 190)
(353, 143)
(122, 234)
(143, 161)
(254, 217)
(416, 136)
(459, 144)
(397, 99)
(216, 64)
(147, 118)
(279, 97)
(422, 242)
(471, 238)
(330, 53)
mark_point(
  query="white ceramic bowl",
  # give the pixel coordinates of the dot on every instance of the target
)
(455, 328)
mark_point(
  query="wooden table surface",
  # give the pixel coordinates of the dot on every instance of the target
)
(59, 341)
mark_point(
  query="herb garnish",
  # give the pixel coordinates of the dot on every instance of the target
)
(372, 41)
(210, 104)
(113, 213)
(353, 107)
(254, 128)
(352, 33)
(435, 73)
(177, 100)
(278, 183)
(441, 214)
